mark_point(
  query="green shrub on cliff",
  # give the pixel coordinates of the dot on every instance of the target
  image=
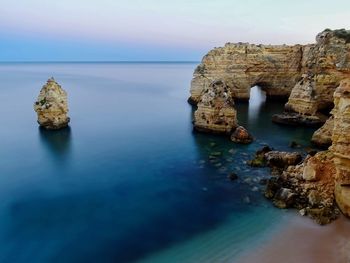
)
(342, 33)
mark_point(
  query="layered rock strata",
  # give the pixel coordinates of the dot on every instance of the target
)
(216, 112)
(341, 145)
(322, 182)
(323, 136)
(325, 64)
(307, 74)
(308, 187)
(241, 66)
(52, 107)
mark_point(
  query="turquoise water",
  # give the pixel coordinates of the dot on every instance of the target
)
(129, 181)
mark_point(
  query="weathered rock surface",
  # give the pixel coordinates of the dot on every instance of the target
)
(282, 159)
(52, 107)
(325, 64)
(292, 118)
(241, 66)
(216, 112)
(241, 135)
(323, 136)
(341, 145)
(274, 159)
(259, 159)
(308, 187)
(307, 74)
(321, 181)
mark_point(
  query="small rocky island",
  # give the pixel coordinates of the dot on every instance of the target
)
(315, 79)
(52, 107)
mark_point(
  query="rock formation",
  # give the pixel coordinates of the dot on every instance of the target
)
(322, 181)
(323, 136)
(216, 112)
(324, 65)
(51, 106)
(241, 135)
(241, 66)
(308, 74)
(308, 187)
(341, 145)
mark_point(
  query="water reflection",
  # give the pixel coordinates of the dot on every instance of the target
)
(256, 103)
(58, 142)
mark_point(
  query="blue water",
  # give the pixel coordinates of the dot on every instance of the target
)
(129, 179)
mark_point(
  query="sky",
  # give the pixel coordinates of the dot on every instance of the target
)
(156, 30)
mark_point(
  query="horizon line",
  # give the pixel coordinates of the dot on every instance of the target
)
(102, 61)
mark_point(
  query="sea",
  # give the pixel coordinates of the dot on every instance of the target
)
(129, 180)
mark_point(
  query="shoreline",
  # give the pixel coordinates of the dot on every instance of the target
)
(302, 240)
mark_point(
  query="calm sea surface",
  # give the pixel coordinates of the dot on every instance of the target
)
(129, 180)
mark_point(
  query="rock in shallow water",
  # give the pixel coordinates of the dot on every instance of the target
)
(241, 135)
(52, 107)
(295, 119)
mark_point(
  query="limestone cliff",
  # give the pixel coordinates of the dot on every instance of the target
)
(325, 64)
(51, 106)
(307, 74)
(321, 181)
(240, 66)
(341, 145)
(323, 136)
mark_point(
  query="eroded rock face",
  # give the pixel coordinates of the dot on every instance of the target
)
(308, 74)
(321, 181)
(308, 187)
(240, 66)
(341, 145)
(216, 112)
(323, 136)
(241, 135)
(51, 106)
(325, 64)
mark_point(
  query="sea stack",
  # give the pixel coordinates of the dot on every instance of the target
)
(216, 112)
(52, 107)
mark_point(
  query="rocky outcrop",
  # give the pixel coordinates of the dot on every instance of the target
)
(307, 74)
(321, 182)
(241, 66)
(276, 160)
(323, 136)
(295, 119)
(341, 145)
(325, 64)
(308, 187)
(51, 106)
(216, 112)
(241, 135)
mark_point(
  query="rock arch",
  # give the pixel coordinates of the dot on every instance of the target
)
(305, 74)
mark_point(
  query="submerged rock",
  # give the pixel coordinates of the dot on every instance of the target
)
(241, 135)
(232, 176)
(259, 158)
(52, 107)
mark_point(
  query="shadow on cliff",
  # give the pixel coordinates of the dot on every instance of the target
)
(58, 142)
